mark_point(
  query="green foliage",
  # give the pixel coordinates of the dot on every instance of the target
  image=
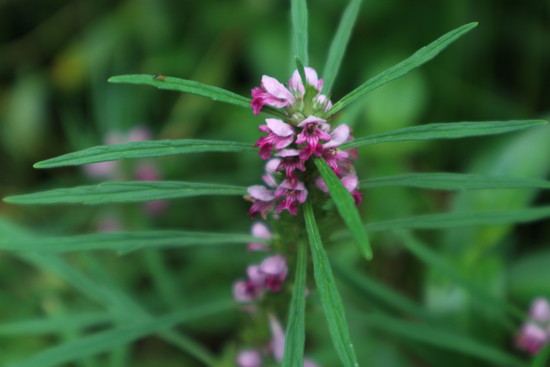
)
(420, 57)
(143, 149)
(295, 332)
(125, 192)
(444, 131)
(346, 207)
(300, 37)
(339, 44)
(330, 297)
(454, 181)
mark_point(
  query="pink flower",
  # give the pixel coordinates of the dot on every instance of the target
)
(277, 339)
(314, 129)
(291, 192)
(271, 92)
(249, 358)
(263, 200)
(296, 85)
(280, 135)
(246, 291)
(290, 162)
(260, 230)
(531, 338)
(540, 310)
(272, 272)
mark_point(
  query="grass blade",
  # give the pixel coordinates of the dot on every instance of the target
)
(372, 289)
(125, 192)
(298, 14)
(449, 130)
(186, 86)
(107, 340)
(143, 149)
(463, 219)
(295, 329)
(346, 207)
(420, 57)
(126, 241)
(54, 325)
(454, 181)
(330, 298)
(442, 338)
(339, 44)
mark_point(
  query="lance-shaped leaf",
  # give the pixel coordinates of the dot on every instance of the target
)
(125, 192)
(542, 358)
(186, 86)
(56, 324)
(107, 340)
(143, 149)
(192, 87)
(126, 241)
(295, 328)
(463, 219)
(454, 181)
(330, 297)
(418, 58)
(339, 43)
(449, 130)
(298, 13)
(346, 207)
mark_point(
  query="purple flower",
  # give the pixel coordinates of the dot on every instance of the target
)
(291, 191)
(271, 92)
(246, 291)
(272, 272)
(290, 162)
(350, 182)
(260, 230)
(249, 358)
(540, 310)
(314, 129)
(277, 339)
(263, 200)
(531, 338)
(296, 85)
(280, 135)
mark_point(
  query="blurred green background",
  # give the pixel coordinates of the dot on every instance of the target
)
(56, 56)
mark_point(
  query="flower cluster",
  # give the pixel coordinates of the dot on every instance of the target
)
(269, 275)
(291, 143)
(535, 332)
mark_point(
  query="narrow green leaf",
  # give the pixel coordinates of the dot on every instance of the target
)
(295, 329)
(125, 192)
(186, 86)
(373, 289)
(454, 181)
(339, 44)
(59, 324)
(442, 338)
(107, 340)
(420, 57)
(346, 207)
(298, 13)
(143, 149)
(126, 241)
(463, 219)
(542, 358)
(434, 261)
(330, 298)
(449, 130)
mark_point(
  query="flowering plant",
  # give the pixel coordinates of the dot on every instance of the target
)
(309, 179)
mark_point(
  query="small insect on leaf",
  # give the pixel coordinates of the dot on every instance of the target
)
(159, 77)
